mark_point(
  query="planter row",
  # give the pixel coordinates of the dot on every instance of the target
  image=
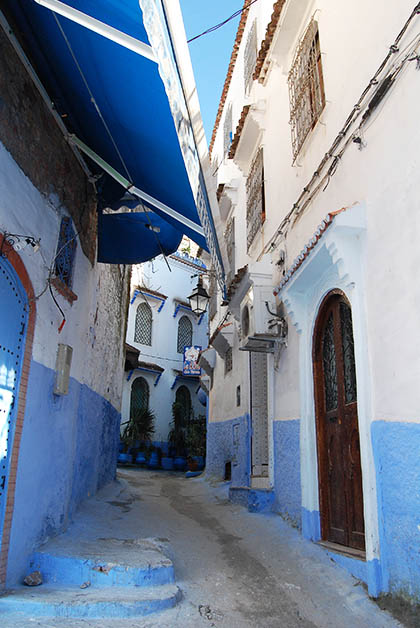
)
(179, 463)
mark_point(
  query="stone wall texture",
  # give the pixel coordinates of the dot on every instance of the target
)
(37, 144)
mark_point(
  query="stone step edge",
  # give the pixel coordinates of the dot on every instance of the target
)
(73, 602)
(74, 570)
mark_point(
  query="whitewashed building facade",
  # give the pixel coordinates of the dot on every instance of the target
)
(315, 151)
(160, 324)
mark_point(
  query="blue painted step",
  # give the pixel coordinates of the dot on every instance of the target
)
(254, 499)
(94, 603)
(104, 563)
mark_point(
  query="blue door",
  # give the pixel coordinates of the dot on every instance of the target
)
(13, 319)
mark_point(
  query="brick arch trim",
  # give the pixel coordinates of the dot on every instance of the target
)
(16, 262)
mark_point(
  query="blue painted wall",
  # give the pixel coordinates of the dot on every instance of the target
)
(287, 488)
(227, 443)
(396, 448)
(68, 451)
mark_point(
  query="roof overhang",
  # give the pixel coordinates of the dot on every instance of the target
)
(109, 68)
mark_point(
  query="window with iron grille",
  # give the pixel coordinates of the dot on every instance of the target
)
(255, 203)
(184, 334)
(230, 248)
(227, 130)
(228, 360)
(139, 396)
(306, 87)
(66, 249)
(143, 327)
(213, 295)
(250, 56)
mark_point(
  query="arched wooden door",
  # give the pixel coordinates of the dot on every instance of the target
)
(340, 475)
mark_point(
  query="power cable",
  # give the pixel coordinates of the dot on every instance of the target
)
(220, 24)
(92, 97)
(384, 85)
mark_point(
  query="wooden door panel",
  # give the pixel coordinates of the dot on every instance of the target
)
(340, 487)
(336, 496)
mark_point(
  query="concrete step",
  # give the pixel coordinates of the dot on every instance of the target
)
(260, 481)
(103, 562)
(95, 603)
(255, 500)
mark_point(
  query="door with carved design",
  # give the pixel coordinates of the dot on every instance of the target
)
(13, 320)
(340, 474)
(259, 414)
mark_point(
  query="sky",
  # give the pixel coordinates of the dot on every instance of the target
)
(210, 54)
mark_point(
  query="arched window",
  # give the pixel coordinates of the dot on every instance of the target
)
(139, 395)
(143, 329)
(184, 334)
(183, 397)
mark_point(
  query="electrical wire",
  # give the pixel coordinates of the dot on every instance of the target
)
(92, 97)
(383, 85)
(220, 24)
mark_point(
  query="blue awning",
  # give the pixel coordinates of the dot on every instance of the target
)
(114, 102)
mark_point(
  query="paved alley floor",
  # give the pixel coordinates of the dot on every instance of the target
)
(235, 569)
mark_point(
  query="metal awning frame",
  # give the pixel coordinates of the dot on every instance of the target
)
(132, 189)
(92, 24)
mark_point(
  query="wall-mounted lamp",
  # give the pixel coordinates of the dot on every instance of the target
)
(199, 298)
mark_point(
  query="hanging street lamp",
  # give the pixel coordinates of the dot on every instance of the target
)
(199, 298)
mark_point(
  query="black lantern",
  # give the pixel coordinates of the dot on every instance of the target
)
(199, 298)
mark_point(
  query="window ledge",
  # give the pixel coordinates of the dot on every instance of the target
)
(64, 290)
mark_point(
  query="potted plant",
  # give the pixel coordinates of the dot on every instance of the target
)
(196, 442)
(176, 435)
(138, 432)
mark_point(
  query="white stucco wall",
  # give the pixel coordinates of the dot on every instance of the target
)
(94, 322)
(176, 283)
(382, 175)
(377, 267)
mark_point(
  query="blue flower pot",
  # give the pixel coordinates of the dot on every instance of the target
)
(124, 458)
(180, 463)
(141, 458)
(167, 464)
(200, 462)
(153, 460)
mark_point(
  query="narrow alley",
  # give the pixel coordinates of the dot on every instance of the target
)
(234, 569)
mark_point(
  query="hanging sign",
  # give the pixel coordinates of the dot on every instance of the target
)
(190, 366)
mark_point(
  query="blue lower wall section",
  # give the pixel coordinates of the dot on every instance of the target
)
(396, 448)
(287, 488)
(311, 524)
(229, 441)
(68, 451)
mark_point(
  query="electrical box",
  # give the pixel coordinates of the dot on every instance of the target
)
(62, 369)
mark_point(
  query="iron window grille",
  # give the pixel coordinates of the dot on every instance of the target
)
(255, 202)
(250, 57)
(306, 88)
(66, 249)
(184, 334)
(227, 131)
(143, 326)
(230, 247)
(140, 394)
(228, 360)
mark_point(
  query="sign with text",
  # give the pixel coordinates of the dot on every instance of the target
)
(190, 366)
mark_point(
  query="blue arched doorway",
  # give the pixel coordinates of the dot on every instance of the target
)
(13, 324)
